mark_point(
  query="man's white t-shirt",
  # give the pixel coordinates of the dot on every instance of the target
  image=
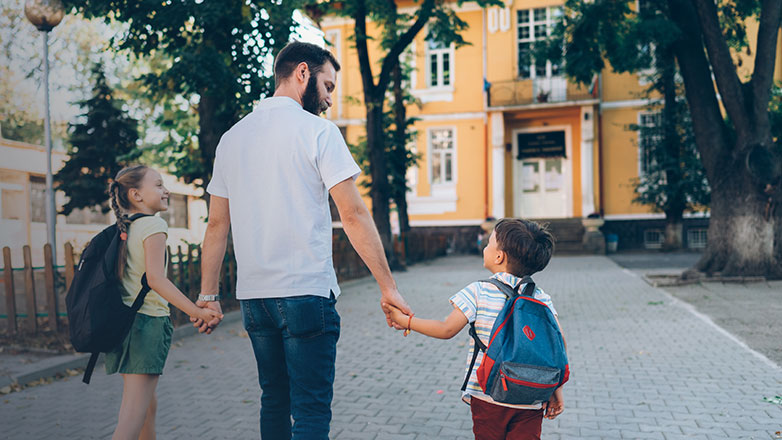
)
(275, 167)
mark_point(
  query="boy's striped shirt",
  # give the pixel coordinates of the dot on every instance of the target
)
(481, 303)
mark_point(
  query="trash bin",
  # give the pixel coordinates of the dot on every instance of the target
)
(612, 242)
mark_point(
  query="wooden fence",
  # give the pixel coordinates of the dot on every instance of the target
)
(34, 297)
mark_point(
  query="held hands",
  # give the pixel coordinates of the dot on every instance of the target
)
(554, 406)
(209, 316)
(397, 317)
(394, 298)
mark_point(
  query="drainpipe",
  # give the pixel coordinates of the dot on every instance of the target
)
(600, 144)
(486, 149)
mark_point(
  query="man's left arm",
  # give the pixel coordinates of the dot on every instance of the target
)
(212, 253)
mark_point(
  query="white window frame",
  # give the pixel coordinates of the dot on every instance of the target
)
(697, 238)
(334, 36)
(439, 52)
(549, 22)
(430, 154)
(652, 244)
(641, 138)
(411, 175)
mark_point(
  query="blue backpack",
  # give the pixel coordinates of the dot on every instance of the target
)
(525, 360)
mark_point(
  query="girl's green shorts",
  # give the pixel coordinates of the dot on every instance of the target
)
(145, 349)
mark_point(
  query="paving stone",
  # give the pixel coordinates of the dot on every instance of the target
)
(638, 371)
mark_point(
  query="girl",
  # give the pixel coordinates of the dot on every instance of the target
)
(142, 355)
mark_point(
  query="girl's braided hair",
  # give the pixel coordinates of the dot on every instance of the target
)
(126, 179)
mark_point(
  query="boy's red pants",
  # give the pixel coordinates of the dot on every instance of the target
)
(495, 422)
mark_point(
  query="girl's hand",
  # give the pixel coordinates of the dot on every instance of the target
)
(207, 315)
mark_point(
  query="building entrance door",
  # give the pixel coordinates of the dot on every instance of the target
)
(541, 184)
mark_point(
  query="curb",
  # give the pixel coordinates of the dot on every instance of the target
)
(59, 364)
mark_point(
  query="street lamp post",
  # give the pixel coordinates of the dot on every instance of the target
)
(45, 15)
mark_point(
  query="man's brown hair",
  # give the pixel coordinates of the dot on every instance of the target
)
(297, 52)
(528, 245)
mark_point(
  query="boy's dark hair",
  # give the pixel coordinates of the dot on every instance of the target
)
(527, 244)
(297, 52)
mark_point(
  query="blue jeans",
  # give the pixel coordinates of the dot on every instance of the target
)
(295, 345)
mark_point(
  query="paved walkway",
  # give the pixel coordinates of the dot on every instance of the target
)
(643, 367)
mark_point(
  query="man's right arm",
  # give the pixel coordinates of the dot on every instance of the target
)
(361, 231)
(212, 253)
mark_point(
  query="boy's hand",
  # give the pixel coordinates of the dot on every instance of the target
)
(554, 406)
(395, 299)
(396, 315)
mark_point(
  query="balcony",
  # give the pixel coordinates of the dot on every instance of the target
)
(536, 91)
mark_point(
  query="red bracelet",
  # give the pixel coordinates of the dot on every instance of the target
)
(409, 320)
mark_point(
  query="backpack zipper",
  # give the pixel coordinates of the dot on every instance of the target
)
(524, 383)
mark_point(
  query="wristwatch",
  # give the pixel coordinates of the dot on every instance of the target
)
(208, 298)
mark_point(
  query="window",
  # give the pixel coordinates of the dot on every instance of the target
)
(411, 175)
(439, 64)
(441, 146)
(88, 216)
(697, 238)
(38, 199)
(649, 136)
(535, 25)
(13, 204)
(176, 216)
(653, 238)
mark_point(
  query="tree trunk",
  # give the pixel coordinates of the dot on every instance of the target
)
(673, 232)
(209, 131)
(673, 151)
(400, 137)
(379, 191)
(741, 240)
(741, 236)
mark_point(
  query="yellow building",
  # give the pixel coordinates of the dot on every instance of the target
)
(530, 144)
(23, 212)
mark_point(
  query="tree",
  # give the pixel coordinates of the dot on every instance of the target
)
(215, 57)
(100, 146)
(74, 46)
(674, 181)
(743, 166)
(398, 135)
(397, 32)
(400, 157)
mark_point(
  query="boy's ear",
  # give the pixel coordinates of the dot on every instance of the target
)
(500, 257)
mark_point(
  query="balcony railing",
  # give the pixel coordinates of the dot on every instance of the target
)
(536, 91)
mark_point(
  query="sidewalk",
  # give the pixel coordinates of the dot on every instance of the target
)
(643, 366)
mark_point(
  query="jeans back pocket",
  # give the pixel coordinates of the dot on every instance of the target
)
(304, 316)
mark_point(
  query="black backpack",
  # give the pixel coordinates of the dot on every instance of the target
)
(98, 319)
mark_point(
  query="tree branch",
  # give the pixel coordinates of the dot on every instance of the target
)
(361, 47)
(392, 57)
(707, 118)
(723, 67)
(765, 57)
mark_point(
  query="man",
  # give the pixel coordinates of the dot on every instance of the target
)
(273, 173)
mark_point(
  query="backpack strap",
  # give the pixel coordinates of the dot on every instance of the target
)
(510, 292)
(137, 303)
(479, 345)
(141, 294)
(144, 285)
(138, 215)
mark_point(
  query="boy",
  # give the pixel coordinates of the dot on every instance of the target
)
(516, 248)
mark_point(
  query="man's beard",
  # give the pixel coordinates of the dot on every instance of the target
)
(310, 100)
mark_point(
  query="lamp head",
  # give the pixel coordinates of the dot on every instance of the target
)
(44, 14)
